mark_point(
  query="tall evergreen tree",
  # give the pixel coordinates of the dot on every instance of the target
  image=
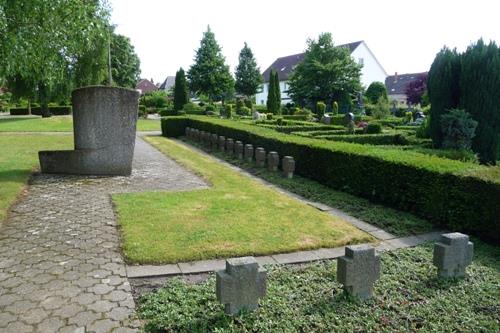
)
(277, 92)
(209, 75)
(480, 96)
(248, 78)
(271, 93)
(181, 93)
(443, 89)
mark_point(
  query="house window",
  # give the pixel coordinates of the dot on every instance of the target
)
(261, 102)
(361, 61)
(260, 89)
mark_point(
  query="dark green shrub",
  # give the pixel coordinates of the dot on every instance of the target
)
(452, 194)
(165, 112)
(210, 108)
(248, 103)
(181, 91)
(458, 129)
(375, 91)
(244, 111)
(381, 109)
(269, 116)
(37, 111)
(373, 128)
(424, 130)
(320, 109)
(192, 108)
(261, 109)
(335, 108)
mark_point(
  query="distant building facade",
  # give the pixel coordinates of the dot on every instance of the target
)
(168, 84)
(396, 85)
(372, 70)
(145, 86)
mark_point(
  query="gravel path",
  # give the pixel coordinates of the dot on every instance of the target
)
(60, 264)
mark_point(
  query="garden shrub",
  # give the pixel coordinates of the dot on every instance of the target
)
(269, 116)
(424, 130)
(452, 194)
(210, 108)
(248, 103)
(261, 109)
(244, 111)
(37, 111)
(320, 109)
(381, 109)
(375, 91)
(192, 108)
(335, 108)
(304, 117)
(170, 111)
(458, 129)
(373, 128)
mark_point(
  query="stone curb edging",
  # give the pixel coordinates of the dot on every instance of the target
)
(205, 266)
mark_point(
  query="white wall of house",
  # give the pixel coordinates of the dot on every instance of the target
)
(372, 70)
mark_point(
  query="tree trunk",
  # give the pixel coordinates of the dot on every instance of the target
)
(29, 106)
(44, 103)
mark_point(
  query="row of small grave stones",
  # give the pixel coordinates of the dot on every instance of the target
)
(243, 282)
(243, 151)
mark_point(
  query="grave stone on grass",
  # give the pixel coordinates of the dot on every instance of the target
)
(273, 160)
(358, 270)
(229, 145)
(288, 166)
(238, 149)
(249, 152)
(452, 254)
(241, 284)
(222, 143)
(260, 157)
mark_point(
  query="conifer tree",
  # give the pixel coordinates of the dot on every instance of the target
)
(209, 75)
(277, 92)
(181, 93)
(271, 95)
(248, 78)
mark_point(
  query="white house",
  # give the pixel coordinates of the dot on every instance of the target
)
(372, 70)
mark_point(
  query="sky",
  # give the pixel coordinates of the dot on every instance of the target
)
(403, 35)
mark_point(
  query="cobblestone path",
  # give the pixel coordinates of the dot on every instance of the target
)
(60, 264)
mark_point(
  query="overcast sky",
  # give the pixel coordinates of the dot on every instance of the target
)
(403, 35)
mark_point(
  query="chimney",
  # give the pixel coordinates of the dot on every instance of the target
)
(395, 77)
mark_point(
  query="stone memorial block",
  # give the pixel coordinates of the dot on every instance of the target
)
(260, 157)
(249, 152)
(188, 134)
(229, 145)
(288, 166)
(196, 135)
(241, 284)
(214, 140)
(358, 270)
(222, 143)
(273, 160)
(104, 125)
(238, 149)
(452, 254)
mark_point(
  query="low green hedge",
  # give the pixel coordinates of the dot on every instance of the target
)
(374, 139)
(37, 111)
(452, 194)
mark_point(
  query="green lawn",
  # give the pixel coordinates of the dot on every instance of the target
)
(59, 124)
(19, 155)
(391, 220)
(237, 216)
(407, 298)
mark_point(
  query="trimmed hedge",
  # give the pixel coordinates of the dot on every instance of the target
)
(399, 139)
(37, 111)
(452, 194)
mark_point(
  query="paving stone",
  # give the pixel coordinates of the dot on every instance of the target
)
(59, 248)
(17, 327)
(101, 306)
(330, 253)
(150, 271)
(103, 326)
(296, 257)
(50, 325)
(381, 234)
(201, 266)
(399, 243)
(119, 314)
(266, 260)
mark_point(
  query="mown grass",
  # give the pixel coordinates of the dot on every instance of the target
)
(391, 220)
(407, 298)
(237, 216)
(59, 124)
(18, 157)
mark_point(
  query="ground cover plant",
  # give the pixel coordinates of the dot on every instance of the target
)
(407, 298)
(18, 159)
(59, 124)
(236, 216)
(451, 194)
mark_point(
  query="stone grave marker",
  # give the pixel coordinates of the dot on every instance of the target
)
(249, 152)
(229, 145)
(288, 166)
(273, 160)
(241, 284)
(260, 157)
(358, 270)
(222, 143)
(238, 149)
(214, 140)
(452, 254)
